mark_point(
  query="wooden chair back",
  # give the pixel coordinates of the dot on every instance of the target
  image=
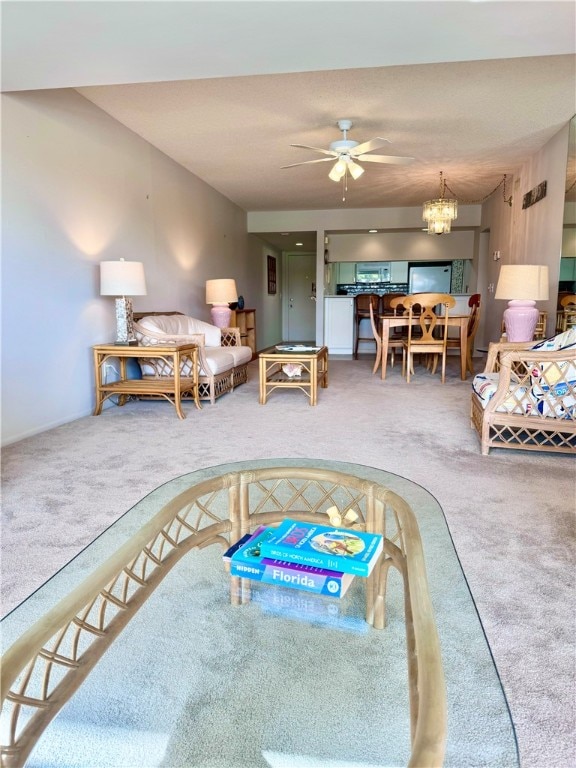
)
(474, 319)
(568, 314)
(428, 320)
(540, 329)
(364, 301)
(397, 306)
(389, 302)
(393, 343)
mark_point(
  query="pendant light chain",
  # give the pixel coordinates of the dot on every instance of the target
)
(501, 183)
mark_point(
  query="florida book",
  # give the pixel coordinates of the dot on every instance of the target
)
(339, 549)
(247, 561)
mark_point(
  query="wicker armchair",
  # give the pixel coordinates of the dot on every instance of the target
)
(526, 398)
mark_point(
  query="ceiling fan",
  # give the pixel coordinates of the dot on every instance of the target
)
(347, 152)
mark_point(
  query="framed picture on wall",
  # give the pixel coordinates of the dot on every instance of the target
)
(271, 274)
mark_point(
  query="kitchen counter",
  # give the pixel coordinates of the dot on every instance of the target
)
(353, 289)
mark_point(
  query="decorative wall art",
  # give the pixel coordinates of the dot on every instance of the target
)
(534, 195)
(271, 274)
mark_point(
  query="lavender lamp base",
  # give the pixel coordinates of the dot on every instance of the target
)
(221, 314)
(520, 320)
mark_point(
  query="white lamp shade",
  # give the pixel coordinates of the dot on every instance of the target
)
(338, 170)
(355, 170)
(221, 291)
(524, 282)
(122, 278)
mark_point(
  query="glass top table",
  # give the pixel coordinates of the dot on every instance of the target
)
(211, 673)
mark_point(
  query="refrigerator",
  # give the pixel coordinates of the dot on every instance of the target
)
(429, 278)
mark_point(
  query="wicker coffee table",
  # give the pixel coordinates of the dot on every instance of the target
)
(139, 643)
(309, 362)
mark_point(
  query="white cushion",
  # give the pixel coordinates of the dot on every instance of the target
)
(241, 355)
(219, 360)
(182, 325)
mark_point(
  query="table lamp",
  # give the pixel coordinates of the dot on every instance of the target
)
(220, 293)
(119, 278)
(523, 285)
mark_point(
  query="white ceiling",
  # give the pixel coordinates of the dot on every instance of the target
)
(224, 88)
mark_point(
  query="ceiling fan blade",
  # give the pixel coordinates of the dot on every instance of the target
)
(307, 162)
(390, 159)
(316, 149)
(368, 146)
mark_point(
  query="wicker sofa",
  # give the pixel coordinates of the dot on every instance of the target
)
(526, 396)
(223, 360)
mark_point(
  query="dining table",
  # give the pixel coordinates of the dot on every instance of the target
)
(401, 321)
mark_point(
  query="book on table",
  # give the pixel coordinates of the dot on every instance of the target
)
(297, 348)
(246, 560)
(323, 546)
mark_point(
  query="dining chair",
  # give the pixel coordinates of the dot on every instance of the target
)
(473, 322)
(540, 329)
(393, 344)
(363, 302)
(426, 322)
(377, 339)
(568, 304)
(388, 306)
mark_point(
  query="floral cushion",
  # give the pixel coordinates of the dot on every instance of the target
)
(564, 340)
(554, 383)
(519, 399)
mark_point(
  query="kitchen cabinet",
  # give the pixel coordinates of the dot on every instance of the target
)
(346, 272)
(398, 271)
(339, 324)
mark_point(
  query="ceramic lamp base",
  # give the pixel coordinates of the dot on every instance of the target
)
(520, 320)
(221, 314)
(124, 321)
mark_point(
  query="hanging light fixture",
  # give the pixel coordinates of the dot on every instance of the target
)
(440, 212)
(338, 170)
(345, 165)
(355, 170)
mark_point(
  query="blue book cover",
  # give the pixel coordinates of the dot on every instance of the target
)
(248, 562)
(323, 546)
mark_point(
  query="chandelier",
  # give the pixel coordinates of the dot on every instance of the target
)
(440, 212)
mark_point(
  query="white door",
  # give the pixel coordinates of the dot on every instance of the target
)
(300, 297)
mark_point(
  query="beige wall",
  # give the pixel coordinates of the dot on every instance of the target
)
(401, 246)
(530, 236)
(79, 188)
(268, 306)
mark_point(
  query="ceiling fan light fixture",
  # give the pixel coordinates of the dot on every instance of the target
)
(355, 170)
(338, 170)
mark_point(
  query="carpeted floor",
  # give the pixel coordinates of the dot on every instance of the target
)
(511, 514)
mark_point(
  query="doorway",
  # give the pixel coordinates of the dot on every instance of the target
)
(300, 297)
